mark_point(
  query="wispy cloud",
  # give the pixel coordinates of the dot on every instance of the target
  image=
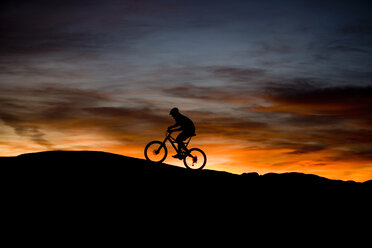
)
(314, 119)
(349, 102)
(26, 110)
(237, 74)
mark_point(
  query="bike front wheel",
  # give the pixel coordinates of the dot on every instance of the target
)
(156, 151)
(195, 160)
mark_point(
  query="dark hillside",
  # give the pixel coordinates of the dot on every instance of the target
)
(115, 174)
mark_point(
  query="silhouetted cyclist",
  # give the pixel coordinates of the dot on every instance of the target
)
(185, 125)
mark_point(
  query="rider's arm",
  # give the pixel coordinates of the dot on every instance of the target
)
(177, 129)
(173, 126)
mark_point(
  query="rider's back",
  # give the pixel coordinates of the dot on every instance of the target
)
(186, 124)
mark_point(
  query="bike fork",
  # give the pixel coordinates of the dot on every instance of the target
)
(158, 150)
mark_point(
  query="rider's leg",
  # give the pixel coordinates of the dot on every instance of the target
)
(179, 140)
(180, 145)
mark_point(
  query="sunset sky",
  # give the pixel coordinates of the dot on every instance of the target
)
(272, 86)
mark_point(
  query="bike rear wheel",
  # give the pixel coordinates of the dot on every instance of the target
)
(195, 160)
(156, 151)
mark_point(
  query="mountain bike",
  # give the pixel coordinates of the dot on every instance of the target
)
(194, 158)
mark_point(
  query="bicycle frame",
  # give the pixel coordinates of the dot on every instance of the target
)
(173, 141)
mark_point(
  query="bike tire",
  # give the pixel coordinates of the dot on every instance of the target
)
(195, 152)
(151, 148)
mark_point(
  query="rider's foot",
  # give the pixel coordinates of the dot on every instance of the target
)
(178, 156)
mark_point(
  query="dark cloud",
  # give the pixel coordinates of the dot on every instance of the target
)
(42, 27)
(348, 104)
(28, 110)
(278, 47)
(342, 101)
(218, 94)
(346, 49)
(345, 137)
(311, 118)
(230, 127)
(33, 28)
(302, 120)
(361, 76)
(136, 115)
(237, 74)
(243, 128)
(357, 29)
(31, 111)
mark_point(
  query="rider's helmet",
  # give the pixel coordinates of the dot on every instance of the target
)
(174, 111)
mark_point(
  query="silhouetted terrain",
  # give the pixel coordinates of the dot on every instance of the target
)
(70, 185)
(84, 167)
